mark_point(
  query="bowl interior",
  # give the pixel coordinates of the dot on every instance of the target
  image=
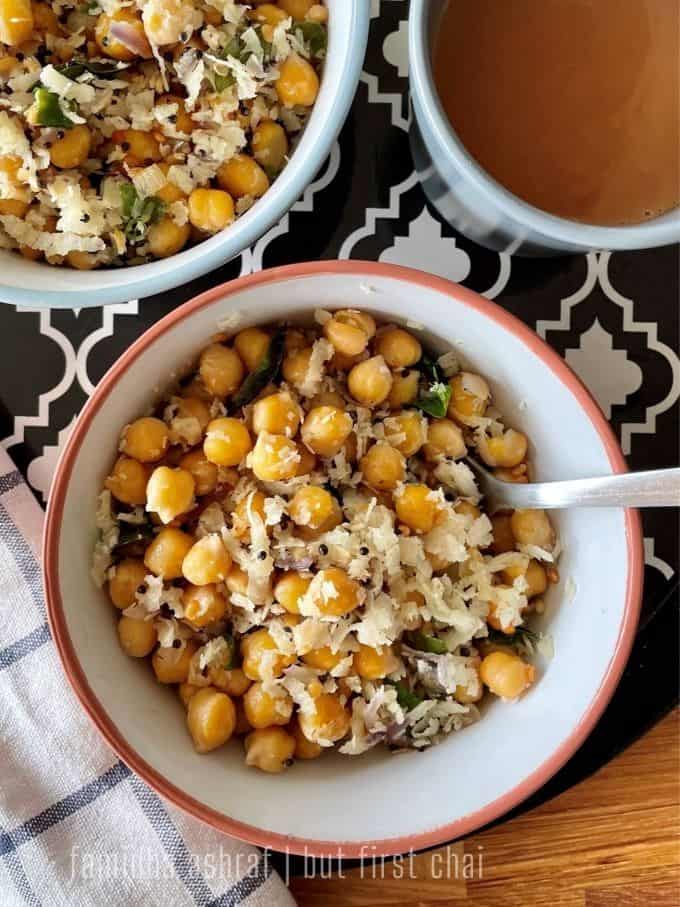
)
(392, 799)
(38, 283)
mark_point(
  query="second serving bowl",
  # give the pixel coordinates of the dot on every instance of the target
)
(27, 282)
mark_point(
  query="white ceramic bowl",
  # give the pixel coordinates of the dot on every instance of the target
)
(33, 283)
(384, 803)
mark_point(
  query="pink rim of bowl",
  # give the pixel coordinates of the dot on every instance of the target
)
(336, 849)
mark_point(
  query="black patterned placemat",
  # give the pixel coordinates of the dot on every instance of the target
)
(613, 317)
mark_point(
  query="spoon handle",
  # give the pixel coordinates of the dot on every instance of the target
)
(653, 488)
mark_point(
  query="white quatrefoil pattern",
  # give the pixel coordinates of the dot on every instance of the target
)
(614, 318)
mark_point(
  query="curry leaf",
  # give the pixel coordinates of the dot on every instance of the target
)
(264, 374)
(48, 111)
(427, 643)
(102, 70)
(138, 213)
(406, 698)
(315, 36)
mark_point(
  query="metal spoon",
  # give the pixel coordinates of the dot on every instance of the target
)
(653, 488)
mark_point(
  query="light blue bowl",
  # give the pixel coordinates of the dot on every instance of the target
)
(474, 203)
(38, 284)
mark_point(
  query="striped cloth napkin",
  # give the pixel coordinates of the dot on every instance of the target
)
(77, 827)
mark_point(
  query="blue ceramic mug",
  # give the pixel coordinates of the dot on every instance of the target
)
(471, 200)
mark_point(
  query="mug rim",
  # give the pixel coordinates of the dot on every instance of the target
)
(659, 231)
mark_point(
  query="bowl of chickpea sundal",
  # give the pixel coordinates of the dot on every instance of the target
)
(144, 143)
(276, 588)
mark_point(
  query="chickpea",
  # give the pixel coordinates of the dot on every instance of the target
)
(252, 345)
(192, 408)
(267, 14)
(270, 749)
(470, 396)
(137, 637)
(128, 480)
(349, 331)
(221, 370)
(532, 527)
(304, 749)
(125, 579)
(311, 507)
(15, 207)
(242, 175)
(506, 675)
(185, 691)
(351, 448)
(296, 9)
(165, 554)
(407, 431)
(383, 467)
(290, 588)
(263, 709)
(398, 348)
(184, 122)
(404, 388)
(170, 192)
(325, 430)
(172, 665)
(317, 13)
(231, 680)
(204, 472)
(344, 596)
(307, 462)
(275, 458)
(507, 450)
(242, 723)
(534, 574)
(16, 22)
(327, 722)
(140, 147)
(444, 439)
(207, 561)
(203, 605)
(166, 237)
(227, 442)
(503, 538)
(467, 509)
(328, 398)
(277, 414)
(374, 664)
(323, 659)
(261, 658)
(115, 49)
(252, 503)
(517, 475)
(343, 363)
(211, 718)
(196, 388)
(145, 439)
(333, 519)
(45, 20)
(417, 507)
(296, 365)
(169, 492)
(270, 146)
(72, 149)
(81, 261)
(370, 381)
(298, 83)
(211, 210)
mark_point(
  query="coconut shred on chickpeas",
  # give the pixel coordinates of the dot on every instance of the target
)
(132, 128)
(294, 541)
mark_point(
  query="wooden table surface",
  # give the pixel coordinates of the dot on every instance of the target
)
(612, 841)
